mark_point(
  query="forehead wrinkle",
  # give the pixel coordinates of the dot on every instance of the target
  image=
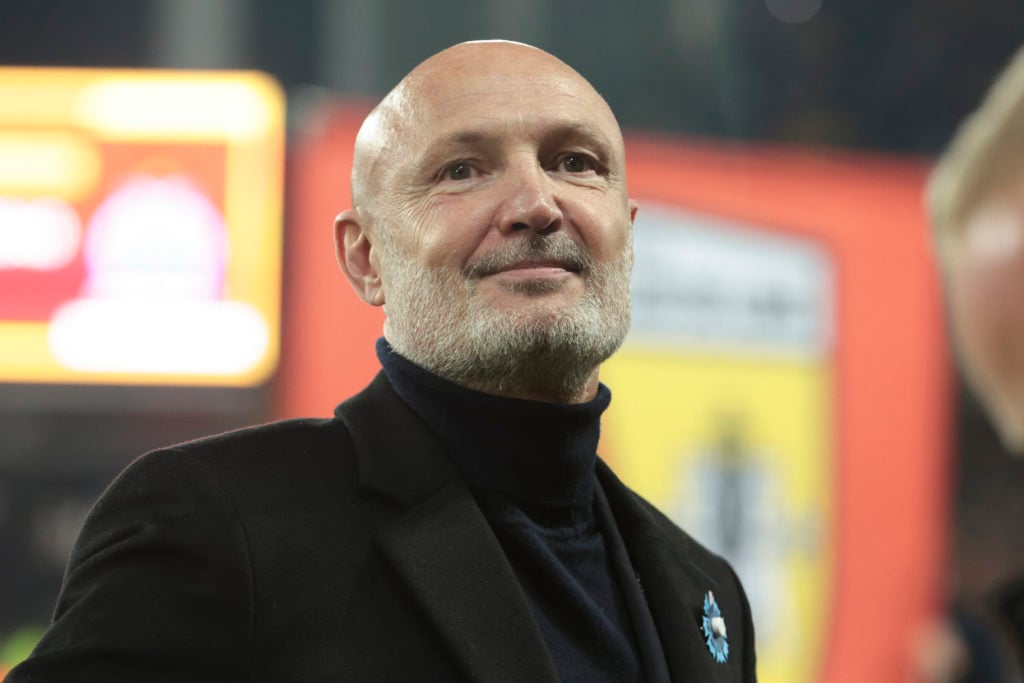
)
(545, 127)
(535, 91)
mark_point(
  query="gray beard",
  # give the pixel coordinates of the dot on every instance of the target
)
(437, 320)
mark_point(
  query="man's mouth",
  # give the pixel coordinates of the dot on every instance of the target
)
(537, 257)
(541, 268)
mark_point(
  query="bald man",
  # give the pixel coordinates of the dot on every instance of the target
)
(452, 522)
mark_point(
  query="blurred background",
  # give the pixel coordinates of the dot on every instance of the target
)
(837, 106)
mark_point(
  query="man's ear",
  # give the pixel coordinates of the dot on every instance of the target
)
(355, 255)
(633, 206)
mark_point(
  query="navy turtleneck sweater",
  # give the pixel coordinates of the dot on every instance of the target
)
(530, 465)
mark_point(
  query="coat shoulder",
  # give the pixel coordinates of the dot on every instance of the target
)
(267, 441)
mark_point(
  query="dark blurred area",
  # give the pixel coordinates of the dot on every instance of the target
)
(889, 76)
(988, 511)
(892, 76)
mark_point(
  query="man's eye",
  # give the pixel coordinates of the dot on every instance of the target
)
(576, 163)
(459, 171)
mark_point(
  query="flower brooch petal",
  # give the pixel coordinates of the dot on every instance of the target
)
(713, 626)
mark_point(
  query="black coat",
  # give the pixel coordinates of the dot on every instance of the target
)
(346, 549)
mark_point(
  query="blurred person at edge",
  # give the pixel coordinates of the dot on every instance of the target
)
(453, 520)
(975, 198)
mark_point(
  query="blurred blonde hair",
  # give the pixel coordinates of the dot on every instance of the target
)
(986, 154)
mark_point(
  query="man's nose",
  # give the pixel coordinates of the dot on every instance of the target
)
(530, 201)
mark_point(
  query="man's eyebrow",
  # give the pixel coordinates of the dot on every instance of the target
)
(567, 132)
(462, 137)
(581, 130)
(442, 146)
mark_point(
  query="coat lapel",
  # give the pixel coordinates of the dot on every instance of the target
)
(452, 562)
(441, 546)
(673, 585)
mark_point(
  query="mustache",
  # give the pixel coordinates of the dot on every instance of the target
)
(557, 249)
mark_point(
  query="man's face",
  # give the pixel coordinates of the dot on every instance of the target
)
(503, 225)
(985, 279)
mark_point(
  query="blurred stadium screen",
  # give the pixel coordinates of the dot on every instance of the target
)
(140, 226)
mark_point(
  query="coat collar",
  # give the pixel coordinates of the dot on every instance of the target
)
(456, 570)
(397, 457)
(674, 585)
(441, 546)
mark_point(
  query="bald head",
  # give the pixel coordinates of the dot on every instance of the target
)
(396, 130)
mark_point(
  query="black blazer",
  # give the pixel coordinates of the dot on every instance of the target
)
(345, 549)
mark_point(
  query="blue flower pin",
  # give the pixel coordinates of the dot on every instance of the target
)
(713, 626)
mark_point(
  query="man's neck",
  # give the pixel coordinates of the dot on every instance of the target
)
(537, 452)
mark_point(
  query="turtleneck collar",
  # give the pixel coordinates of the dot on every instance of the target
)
(537, 454)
